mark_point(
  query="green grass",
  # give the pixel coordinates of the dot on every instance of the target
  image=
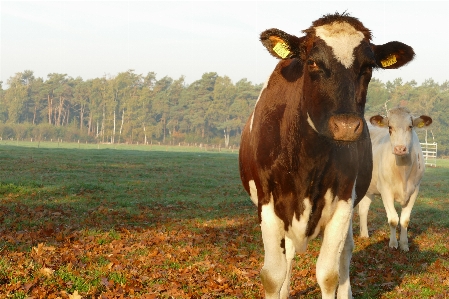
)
(167, 220)
(124, 181)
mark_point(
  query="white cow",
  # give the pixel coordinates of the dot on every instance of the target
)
(398, 166)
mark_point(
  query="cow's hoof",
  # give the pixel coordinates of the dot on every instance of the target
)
(404, 247)
(364, 234)
(394, 244)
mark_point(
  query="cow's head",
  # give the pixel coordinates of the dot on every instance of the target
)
(400, 124)
(335, 58)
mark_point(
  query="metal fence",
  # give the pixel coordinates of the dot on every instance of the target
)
(429, 151)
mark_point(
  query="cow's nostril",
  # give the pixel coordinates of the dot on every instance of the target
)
(358, 126)
(400, 150)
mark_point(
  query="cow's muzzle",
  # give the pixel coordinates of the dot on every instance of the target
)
(345, 127)
(400, 150)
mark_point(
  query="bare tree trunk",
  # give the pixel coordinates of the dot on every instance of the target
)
(145, 133)
(82, 117)
(386, 107)
(89, 125)
(226, 136)
(102, 123)
(68, 114)
(164, 120)
(61, 102)
(121, 126)
(49, 109)
(34, 115)
(54, 112)
(113, 131)
(63, 118)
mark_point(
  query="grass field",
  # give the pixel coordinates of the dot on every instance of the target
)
(106, 221)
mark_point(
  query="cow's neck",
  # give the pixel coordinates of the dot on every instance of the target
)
(404, 166)
(404, 161)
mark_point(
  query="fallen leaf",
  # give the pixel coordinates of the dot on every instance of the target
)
(46, 271)
(75, 295)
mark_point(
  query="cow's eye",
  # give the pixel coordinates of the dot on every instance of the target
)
(311, 63)
(366, 71)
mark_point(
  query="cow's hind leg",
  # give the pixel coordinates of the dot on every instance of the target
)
(289, 255)
(405, 219)
(335, 243)
(364, 205)
(275, 269)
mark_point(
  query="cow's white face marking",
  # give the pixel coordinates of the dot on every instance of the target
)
(342, 38)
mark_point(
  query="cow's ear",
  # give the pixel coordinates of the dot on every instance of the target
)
(393, 55)
(422, 121)
(379, 121)
(280, 44)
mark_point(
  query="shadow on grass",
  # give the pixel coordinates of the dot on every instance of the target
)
(378, 269)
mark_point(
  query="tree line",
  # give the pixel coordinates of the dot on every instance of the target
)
(126, 108)
(135, 108)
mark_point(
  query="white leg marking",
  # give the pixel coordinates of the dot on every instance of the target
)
(363, 214)
(274, 270)
(328, 264)
(253, 192)
(344, 284)
(405, 219)
(289, 255)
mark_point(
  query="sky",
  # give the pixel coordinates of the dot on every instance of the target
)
(92, 39)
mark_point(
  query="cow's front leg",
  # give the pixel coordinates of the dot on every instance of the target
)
(405, 219)
(344, 283)
(392, 216)
(275, 269)
(335, 244)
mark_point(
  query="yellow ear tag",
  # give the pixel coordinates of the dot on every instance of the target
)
(389, 61)
(282, 50)
(421, 124)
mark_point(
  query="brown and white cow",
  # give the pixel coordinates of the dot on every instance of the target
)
(306, 144)
(398, 167)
